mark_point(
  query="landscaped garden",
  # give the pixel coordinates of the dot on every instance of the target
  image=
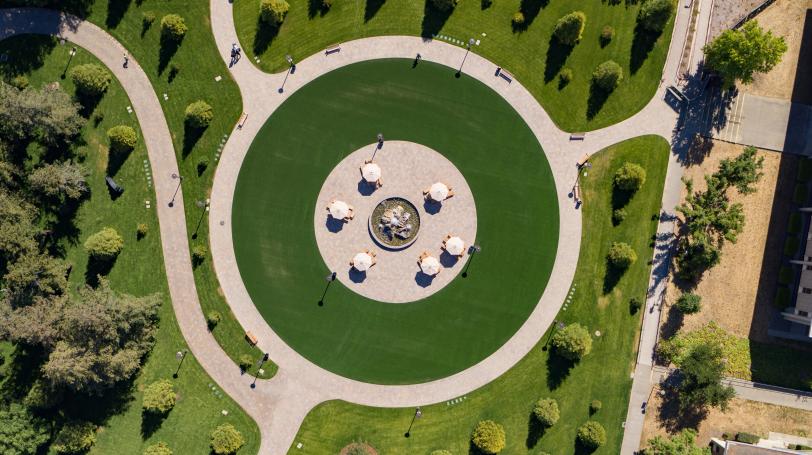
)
(557, 72)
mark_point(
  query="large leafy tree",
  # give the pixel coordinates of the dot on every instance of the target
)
(34, 275)
(738, 54)
(742, 172)
(61, 180)
(17, 229)
(701, 385)
(680, 444)
(20, 432)
(48, 116)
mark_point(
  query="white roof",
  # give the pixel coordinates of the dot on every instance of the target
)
(455, 246)
(438, 191)
(339, 209)
(430, 265)
(362, 262)
(371, 172)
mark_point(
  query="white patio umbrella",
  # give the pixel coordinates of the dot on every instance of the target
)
(438, 191)
(371, 172)
(430, 265)
(455, 246)
(339, 209)
(362, 262)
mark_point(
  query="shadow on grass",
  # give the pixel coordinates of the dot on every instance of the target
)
(558, 368)
(674, 419)
(115, 12)
(673, 322)
(535, 431)
(166, 51)
(315, 7)
(642, 45)
(24, 364)
(191, 136)
(88, 103)
(150, 423)
(557, 54)
(23, 59)
(597, 98)
(371, 9)
(97, 268)
(612, 277)
(620, 198)
(265, 35)
(531, 9)
(580, 449)
(433, 20)
(116, 159)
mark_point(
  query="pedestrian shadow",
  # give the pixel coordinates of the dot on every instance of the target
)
(423, 280)
(334, 225)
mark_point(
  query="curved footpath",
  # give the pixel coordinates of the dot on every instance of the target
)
(280, 404)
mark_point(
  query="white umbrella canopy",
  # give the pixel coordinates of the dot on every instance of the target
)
(430, 265)
(362, 262)
(339, 209)
(455, 246)
(438, 191)
(371, 172)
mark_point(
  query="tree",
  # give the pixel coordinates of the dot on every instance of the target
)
(122, 138)
(572, 342)
(654, 14)
(35, 322)
(17, 228)
(737, 54)
(104, 245)
(90, 79)
(591, 434)
(173, 27)
(489, 437)
(607, 76)
(273, 12)
(546, 411)
(701, 386)
(444, 5)
(621, 255)
(158, 449)
(159, 397)
(595, 406)
(225, 439)
(680, 444)
(629, 177)
(59, 180)
(75, 437)
(48, 116)
(689, 303)
(35, 275)
(199, 115)
(742, 172)
(41, 396)
(20, 432)
(569, 28)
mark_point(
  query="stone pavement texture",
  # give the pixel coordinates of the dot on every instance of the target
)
(407, 169)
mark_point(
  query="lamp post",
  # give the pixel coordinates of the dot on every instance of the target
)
(71, 53)
(471, 42)
(291, 69)
(329, 278)
(181, 356)
(259, 367)
(417, 414)
(474, 249)
(203, 205)
(180, 180)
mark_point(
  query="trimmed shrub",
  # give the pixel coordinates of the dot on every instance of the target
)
(245, 362)
(629, 177)
(173, 27)
(592, 434)
(654, 14)
(40, 396)
(488, 437)
(635, 304)
(159, 397)
(202, 164)
(273, 12)
(595, 406)
(564, 77)
(122, 138)
(105, 244)
(158, 449)
(75, 437)
(689, 303)
(747, 438)
(90, 79)
(199, 115)
(607, 75)
(621, 255)
(572, 342)
(618, 215)
(142, 230)
(19, 82)
(444, 5)
(199, 253)
(147, 19)
(225, 439)
(569, 28)
(518, 18)
(213, 318)
(607, 33)
(546, 411)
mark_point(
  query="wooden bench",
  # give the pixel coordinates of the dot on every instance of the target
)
(506, 76)
(332, 49)
(242, 120)
(113, 185)
(577, 136)
(576, 193)
(583, 160)
(251, 338)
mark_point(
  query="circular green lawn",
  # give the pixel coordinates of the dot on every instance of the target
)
(517, 221)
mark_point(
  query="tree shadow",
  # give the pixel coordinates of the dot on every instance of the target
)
(620, 198)
(191, 136)
(371, 9)
(535, 431)
(23, 59)
(597, 98)
(531, 9)
(150, 423)
(315, 7)
(557, 54)
(115, 12)
(166, 51)
(612, 277)
(97, 268)
(673, 322)
(116, 159)
(24, 366)
(558, 368)
(581, 449)
(433, 20)
(642, 44)
(266, 33)
(673, 418)
(88, 103)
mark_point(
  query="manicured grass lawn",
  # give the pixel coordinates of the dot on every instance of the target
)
(602, 375)
(530, 54)
(139, 270)
(517, 221)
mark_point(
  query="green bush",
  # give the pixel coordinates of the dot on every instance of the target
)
(572, 342)
(41, 396)
(213, 318)
(546, 412)
(782, 296)
(444, 5)
(689, 303)
(142, 230)
(654, 14)
(173, 27)
(518, 18)
(635, 304)
(565, 77)
(159, 397)
(122, 138)
(591, 435)
(105, 244)
(225, 439)
(595, 406)
(607, 75)
(199, 115)
(621, 255)
(791, 245)
(90, 79)
(273, 12)
(796, 223)
(805, 170)
(629, 177)
(607, 33)
(147, 19)
(801, 194)
(747, 438)
(75, 437)
(19, 82)
(569, 28)
(245, 362)
(158, 449)
(786, 275)
(618, 215)
(199, 253)
(798, 447)
(202, 164)
(488, 437)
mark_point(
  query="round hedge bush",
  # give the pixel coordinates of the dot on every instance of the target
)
(595, 406)
(488, 437)
(689, 303)
(75, 437)
(159, 397)
(518, 18)
(142, 230)
(618, 215)
(572, 342)
(225, 439)
(592, 435)
(173, 27)
(90, 79)
(199, 114)
(654, 14)
(546, 411)
(213, 318)
(105, 244)
(621, 255)
(565, 76)
(607, 75)
(629, 177)
(607, 33)
(273, 12)
(569, 28)
(122, 138)
(158, 449)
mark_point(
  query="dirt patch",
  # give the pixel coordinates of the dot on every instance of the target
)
(358, 448)
(743, 284)
(784, 18)
(741, 415)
